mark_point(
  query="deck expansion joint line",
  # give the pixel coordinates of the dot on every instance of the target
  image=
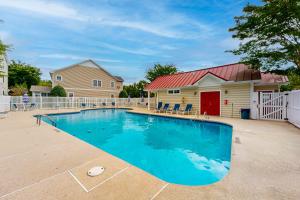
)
(114, 175)
(33, 184)
(159, 191)
(76, 179)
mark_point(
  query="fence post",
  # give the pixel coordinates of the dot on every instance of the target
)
(285, 105)
(41, 102)
(57, 102)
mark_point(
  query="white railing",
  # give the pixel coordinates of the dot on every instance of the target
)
(16, 102)
(293, 109)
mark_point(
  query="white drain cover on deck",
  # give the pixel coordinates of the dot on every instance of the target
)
(95, 171)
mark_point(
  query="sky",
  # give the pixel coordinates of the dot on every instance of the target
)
(124, 37)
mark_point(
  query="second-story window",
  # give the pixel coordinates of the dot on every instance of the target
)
(58, 77)
(97, 83)
(112, 84)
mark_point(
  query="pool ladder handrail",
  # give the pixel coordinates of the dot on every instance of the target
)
(39, 119)
(205, 116)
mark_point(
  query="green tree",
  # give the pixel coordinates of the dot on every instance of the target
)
(45, 83)
(3, 48)
(293, 76)
(159, 70)
(269, 34)
(19, 73)
(58, 91)
(134, 90)
(123, 94)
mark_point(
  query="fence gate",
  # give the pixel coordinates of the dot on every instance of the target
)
(273, 106)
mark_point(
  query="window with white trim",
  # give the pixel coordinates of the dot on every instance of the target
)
(177, 91)
(112, 84)
(58, 77)
(97, 83)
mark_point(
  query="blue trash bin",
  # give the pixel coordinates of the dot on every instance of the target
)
(245, 113)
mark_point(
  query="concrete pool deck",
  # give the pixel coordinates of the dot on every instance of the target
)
(42, 162)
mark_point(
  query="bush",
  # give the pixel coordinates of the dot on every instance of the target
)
(123, 94)
(58, 91)
(18, 90)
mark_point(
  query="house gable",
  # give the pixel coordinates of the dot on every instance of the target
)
(209, 80)
(87, 63)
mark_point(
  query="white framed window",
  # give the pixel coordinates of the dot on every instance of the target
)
(70, 94)
(97, 83)
(176, 91)
(58, 77)
(112, 84)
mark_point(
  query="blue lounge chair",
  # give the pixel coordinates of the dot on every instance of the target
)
(165, 108)
(159, 105)
(175, 108)
(187, 109)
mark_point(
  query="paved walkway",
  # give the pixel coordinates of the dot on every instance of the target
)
(42, 162)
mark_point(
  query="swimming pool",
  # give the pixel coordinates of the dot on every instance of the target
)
(175, 150)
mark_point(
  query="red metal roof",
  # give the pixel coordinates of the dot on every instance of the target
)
(269, 78)
(231, 72)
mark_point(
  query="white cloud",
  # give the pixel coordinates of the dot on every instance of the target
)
(45, 8)
(164, 28)
(167, 47)
(74, 57)
(141, 51)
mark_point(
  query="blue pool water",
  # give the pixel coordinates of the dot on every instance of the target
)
(175, 150)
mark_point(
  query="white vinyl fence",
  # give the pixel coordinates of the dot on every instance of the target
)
(17, 103)
(293, 108)
(4, 105)
(277, 106)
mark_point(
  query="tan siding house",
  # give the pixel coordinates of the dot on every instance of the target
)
(87, 79)
(221, 91)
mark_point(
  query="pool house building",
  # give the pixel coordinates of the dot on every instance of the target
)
(219, 91)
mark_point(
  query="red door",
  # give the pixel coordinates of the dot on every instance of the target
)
(210, 103)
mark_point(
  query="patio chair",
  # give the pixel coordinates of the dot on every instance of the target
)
(113, 103)
(187, 109)
(175, 108)
(165, 108)
(32, 106)
(103, 104)
(94, 105)
(15, 107)
(159, 105)
(83, 105)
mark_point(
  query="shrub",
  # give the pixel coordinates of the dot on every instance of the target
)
(123, 94)
(58, 91)
(18, 90)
